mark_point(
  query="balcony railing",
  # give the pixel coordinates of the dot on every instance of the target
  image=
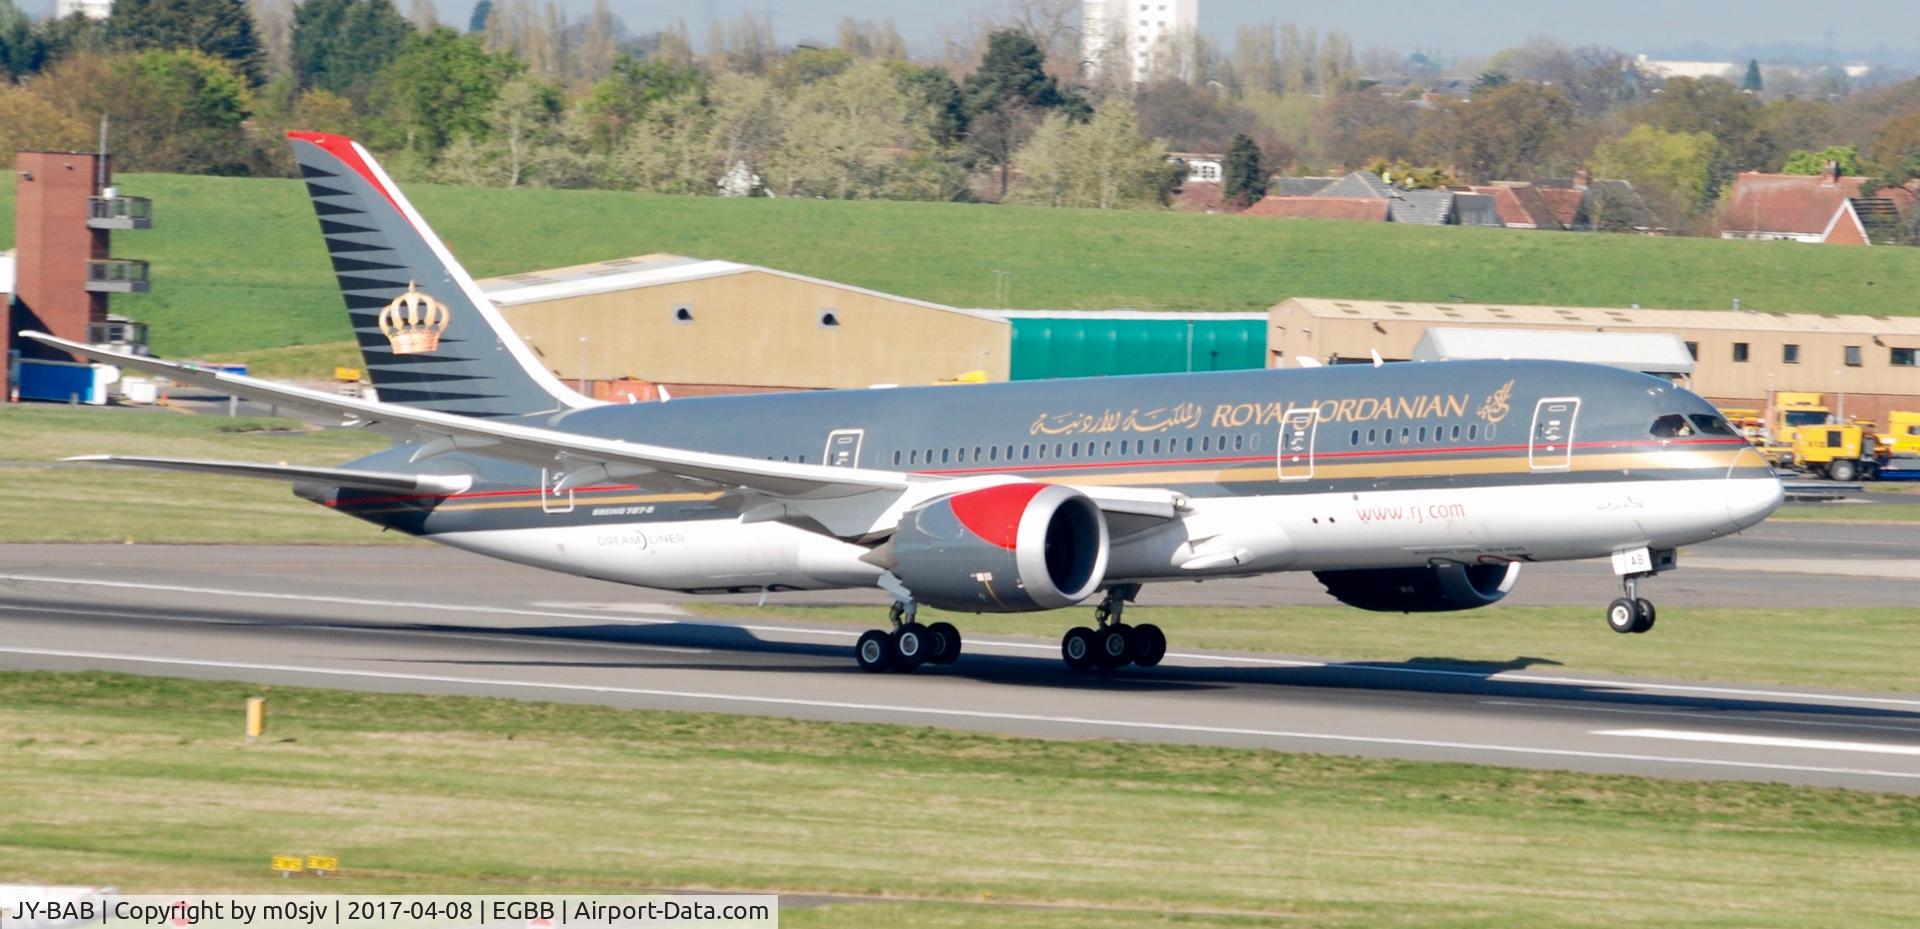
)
(117, 275)
(120, 213)
(115, 331)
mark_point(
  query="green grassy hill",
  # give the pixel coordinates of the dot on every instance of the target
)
(238, 265)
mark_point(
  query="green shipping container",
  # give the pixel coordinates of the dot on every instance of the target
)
(1091, 345)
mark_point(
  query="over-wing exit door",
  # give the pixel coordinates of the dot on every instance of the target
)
(843, 448)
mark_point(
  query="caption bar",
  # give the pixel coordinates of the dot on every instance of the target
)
(396, 911)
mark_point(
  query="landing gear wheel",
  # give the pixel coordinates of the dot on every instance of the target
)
(874, 651)
(1623, 616)
(1149, 645)
(1113, 646)
(909, 646)
(1647, 614)
(1077, 648)
(943, 643)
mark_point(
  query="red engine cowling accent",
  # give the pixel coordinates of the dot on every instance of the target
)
(1008, 548)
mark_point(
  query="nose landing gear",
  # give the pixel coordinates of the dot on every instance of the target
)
(1634, 613)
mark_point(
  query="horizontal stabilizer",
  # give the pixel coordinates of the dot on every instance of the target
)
(438, 485)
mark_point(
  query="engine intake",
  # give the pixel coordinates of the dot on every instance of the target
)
(1010, 548)
(1437, 588)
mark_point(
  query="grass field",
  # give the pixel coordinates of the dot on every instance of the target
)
(48, 502)
(144, 783)
(1823, 648)
(1851, 512)
(238, 263)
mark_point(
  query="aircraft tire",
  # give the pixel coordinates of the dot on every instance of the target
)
(1113, 646)
(1076, 648)
(1647, 615)
(1623, 616)
(1149, 645)
(874, 651)
(944, 643)
(910, 646)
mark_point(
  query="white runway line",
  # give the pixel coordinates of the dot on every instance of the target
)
(1505, 677)
(910, 712)
(1716, 717)
(1767, 741)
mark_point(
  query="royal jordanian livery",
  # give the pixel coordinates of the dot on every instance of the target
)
(1403, 487)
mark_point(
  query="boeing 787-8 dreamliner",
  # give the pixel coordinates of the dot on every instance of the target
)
(1402, 487)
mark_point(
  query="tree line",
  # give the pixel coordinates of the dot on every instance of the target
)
(521, 94)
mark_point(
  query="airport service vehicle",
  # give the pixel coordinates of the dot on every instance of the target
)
(1807, 436)
(1403, 487)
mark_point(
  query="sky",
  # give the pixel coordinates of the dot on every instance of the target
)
(1456, 27)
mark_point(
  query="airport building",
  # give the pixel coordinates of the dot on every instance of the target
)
(620, 327)
(63, 270)
(1741, 357)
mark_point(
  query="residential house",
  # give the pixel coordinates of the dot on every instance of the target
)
(1826, 207)
(1363, 195)
(1202, 186)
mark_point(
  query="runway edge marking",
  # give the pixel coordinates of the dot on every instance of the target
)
(1765, 741)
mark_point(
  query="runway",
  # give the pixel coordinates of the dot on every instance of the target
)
(434, 621)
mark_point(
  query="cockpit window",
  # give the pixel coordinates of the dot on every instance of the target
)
(1708, 424)
(1672, 425)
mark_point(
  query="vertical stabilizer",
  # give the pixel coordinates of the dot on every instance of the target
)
(429, 336)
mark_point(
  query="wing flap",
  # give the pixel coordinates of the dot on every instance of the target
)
(439, 485)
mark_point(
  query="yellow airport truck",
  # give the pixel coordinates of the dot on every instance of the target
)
(1802, 434)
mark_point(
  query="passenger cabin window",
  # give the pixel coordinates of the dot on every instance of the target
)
(1740, 352)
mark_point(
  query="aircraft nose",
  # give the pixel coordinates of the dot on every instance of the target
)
(1753, 490)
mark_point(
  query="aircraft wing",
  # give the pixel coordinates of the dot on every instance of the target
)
(579, 459)
(392, 482)
(583, 459)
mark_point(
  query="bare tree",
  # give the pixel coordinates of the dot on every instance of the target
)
(1055, 27)
(1256, 62)
(273, 22)
(1296, 59)
(864, 38)
(597, 44)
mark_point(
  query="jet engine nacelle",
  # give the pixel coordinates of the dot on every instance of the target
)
(1436, 588)
(1009, 548)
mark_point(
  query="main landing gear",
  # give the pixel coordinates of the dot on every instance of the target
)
(908, 644)
(1634, 613)
(1113, 644)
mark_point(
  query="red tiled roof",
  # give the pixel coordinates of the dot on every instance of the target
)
(1374, 210)
(1506, 205)
(1521, 204)
(1204, 198)
(1786, 203)
(1564, 202)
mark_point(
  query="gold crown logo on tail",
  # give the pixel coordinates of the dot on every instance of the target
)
(413, 322)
